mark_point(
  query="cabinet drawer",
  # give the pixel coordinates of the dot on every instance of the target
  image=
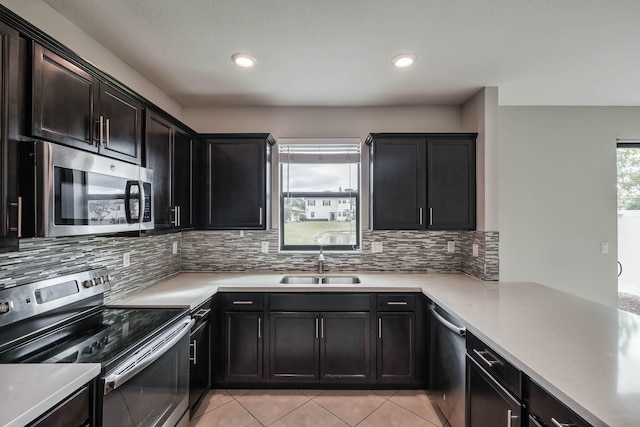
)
(507, 374)
(544, 409)
(73, 411)
(396, 302)
(319, 302)
(243, 302)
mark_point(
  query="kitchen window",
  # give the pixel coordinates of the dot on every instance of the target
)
(319, 194)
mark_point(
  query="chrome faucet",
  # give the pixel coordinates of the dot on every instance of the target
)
(321, 263)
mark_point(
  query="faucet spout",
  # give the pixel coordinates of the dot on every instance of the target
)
(321, 263)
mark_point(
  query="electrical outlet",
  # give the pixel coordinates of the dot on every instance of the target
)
(241, 233)
(126, 259)
(451, 247)
(175, 248)
(604, 247)
(474, 250)
(265, 247)
(376, 247)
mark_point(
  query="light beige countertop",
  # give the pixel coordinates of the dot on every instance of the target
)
(29, 390)
(585, 353)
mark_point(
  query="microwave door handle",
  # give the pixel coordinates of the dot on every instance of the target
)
(143, 202)
(127, 201)
(127, 204)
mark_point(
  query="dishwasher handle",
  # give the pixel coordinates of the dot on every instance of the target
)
(146, 356)
(460, 330)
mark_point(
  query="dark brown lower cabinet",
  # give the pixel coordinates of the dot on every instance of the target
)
(294, 347)
(396, 347)
(547, 411)
(312, 346)
(489, 404)
(75, 411)
(243, 345)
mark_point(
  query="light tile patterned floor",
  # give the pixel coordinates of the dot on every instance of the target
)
(315, 408)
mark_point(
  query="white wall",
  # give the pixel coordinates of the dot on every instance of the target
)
(60, 28)
(557, 185)
(480, 114)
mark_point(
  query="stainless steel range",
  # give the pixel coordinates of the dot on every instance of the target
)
(144, 352)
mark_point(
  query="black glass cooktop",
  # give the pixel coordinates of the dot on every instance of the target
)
(108, 336)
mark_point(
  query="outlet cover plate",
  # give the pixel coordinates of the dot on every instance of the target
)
(451, 247)
(126, 259)
(265, 248)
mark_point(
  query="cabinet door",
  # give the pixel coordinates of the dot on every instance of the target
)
(397, 188)
(63, 100)
(451, 184)
(294, 340)
(199, 371)
(8, 144)
(396, 347)
(243, 344)
(345, 350)
(236, 184)
(122, 125)
(488, 403)
(159, 142)
(182, 179)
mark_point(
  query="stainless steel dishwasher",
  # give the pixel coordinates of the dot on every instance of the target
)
(447, 365)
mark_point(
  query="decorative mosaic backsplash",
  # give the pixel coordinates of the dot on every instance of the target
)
(41, 258)
(403, 251)
(152, 257)
(486, 265)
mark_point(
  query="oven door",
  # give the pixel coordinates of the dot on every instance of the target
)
(151, 388)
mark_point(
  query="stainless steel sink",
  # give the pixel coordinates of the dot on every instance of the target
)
(315, 280)
(340, 280)
(300, 280)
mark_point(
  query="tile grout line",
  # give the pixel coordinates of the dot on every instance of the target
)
(417, 415)
(294, 409)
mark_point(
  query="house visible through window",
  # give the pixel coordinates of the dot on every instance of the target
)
(320, 195)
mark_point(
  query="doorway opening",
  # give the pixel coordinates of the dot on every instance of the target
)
(628, 188)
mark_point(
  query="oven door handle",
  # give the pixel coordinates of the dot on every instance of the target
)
(146, 356)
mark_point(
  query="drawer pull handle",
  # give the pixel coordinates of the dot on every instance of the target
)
(201, 313)
(242, 302)
(481, 355)
(380, 327)
(559, 424)
(259, 327)
(194, 346)
(511, 418)
(316, 327)
(396, 303)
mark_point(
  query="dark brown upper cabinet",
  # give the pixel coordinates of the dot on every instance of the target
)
(72, 107)
(237, 173)
(169, 154)
(422, 181)
(9, 203)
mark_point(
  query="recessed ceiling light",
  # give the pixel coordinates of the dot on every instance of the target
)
(403, 60)
(243, 60)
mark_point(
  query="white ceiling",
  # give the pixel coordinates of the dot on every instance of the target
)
(338, 52)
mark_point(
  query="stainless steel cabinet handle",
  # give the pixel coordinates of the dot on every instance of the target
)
(316, 327)
(510, 418)
(100, 123)
(430, 216)
(18, 227)
(242, 302)
(179, 216)
(559, 424)
(420, 216)
(322, 327)
(379, 327)
(106, 143)
(396, 303)
(259, 327)
(484, 359)
(462, 331)
(174, 212)
(194, 346)
(260, 216)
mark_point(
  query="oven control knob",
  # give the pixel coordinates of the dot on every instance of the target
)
(98, 280)
(5, 307)
(88, 283)
(87, 350)
(106, 279)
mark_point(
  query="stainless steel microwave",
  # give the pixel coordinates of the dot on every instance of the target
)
(67, 192)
